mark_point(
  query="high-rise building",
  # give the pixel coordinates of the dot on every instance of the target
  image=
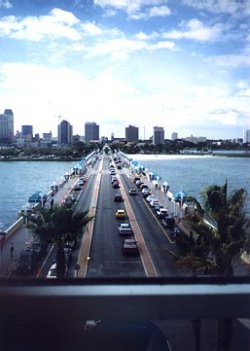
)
(7, 127)
(65, 132)
(131, 133)
(246, 136)
(158, 135)
(174, 136)
(27, 132)
(91, 131)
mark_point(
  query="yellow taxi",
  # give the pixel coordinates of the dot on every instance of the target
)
(120, 214)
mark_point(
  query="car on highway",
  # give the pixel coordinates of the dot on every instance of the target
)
(116, 185)
(145, 192)
(130, 247)
(154, 203)
(150, 198)
(162, 212)
(132, 191)
(143, 186)
(120, 214)
(125, 229)
(118, 198)
(168, 222)
(69, 201)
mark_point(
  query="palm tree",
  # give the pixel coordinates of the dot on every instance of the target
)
(218, 241)
(56, 224)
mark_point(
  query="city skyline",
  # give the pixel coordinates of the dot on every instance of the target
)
(185, 66)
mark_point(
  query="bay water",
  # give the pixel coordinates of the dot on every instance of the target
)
(192, 174)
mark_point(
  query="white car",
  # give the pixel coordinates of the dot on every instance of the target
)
(154, 203)
(162, 212)
(125, 229)
(150, 198)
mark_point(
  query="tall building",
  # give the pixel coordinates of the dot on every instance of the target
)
(246, 136)
(65, 132)
(158, 135)
(91, 131)
(174, 136)
(27, 132)
(7, 127)
(131, 133)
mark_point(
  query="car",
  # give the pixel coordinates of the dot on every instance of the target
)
(145, 192)
(125, 229)
(120, 214)
(69, 201)
(114, 179)
(132, 191)
(168, 222)
(118, 198)
(138, 183)
(150, 198)
(116, 185)
(154, 203)
(81, 182)
(130, 247)
(143, 186)
(77, 188)
(162, 212)
(135, 179)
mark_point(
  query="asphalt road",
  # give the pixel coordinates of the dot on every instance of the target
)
(106, 258)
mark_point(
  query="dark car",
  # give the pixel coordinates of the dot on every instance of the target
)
(168, 222)
(118, 198)
(132, 191)
(116, 185)
(130, 247)
(25, 262)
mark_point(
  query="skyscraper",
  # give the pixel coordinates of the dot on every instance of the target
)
(174, 136)
(65, 132)
(131, 133)
(27, 132)
(91, 131)
(158, 135)
(246, 136)
(7, 127)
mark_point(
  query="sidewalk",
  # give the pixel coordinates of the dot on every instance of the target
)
(23, 237)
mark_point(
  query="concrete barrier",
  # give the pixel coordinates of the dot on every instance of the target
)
(14, 227)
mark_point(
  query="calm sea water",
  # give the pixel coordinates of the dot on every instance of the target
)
(19, 180)
(194, 173)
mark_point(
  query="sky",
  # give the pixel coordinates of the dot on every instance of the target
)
(183, 65)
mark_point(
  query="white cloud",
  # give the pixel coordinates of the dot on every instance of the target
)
(156, 11)
(196, 30)
(92, 29)
(130, 6)
(6, 4)
(58, 24)
(233, 7)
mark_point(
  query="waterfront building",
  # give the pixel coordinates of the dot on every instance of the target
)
(246, 136)
(7, 127)
(47, 136)
(91, 131)
(174, 136)
(131, 133)
(27, 133)
(158, 135)
(65, 132)
(195, 140)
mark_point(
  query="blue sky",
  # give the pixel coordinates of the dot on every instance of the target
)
(183, 65)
